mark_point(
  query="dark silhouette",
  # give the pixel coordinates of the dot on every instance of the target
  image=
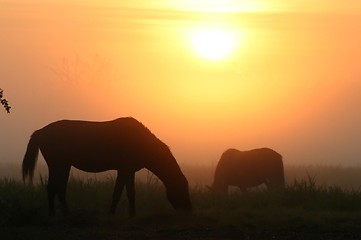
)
(4, 102)
(246, 169)
(123, 144)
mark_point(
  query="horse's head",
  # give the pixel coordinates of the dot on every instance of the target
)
(178, 195)
(218, 187)
(167, 169)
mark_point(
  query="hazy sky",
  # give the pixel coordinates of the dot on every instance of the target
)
(292, 80)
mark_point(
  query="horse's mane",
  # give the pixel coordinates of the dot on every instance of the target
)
(146, 130)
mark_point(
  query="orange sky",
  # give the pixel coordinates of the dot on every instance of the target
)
(292, 82)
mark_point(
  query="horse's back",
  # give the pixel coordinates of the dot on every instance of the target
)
(74, 126)
(98, 146)
(248, 168)
(77, 131)
(251, 158)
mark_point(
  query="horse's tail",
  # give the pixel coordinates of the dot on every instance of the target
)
(30, 157)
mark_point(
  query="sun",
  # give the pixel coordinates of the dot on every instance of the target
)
(213, 44)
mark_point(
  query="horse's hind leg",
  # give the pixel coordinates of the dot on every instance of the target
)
(62, 182)
(58, 178)
(131, 193)
(51, 192)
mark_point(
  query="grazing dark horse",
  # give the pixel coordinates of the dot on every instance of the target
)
(123, 144)
(246, 169)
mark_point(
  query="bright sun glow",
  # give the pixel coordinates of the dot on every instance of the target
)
(214, 44)
(225, 6)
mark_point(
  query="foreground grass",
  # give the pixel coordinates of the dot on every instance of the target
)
(302, 210)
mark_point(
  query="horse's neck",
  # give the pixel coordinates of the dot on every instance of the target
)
(166, 172)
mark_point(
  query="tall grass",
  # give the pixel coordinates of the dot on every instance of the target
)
(95, 197)
(301, 209)
(324, 200)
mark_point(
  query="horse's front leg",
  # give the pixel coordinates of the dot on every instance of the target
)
(131, 193)
(118, 189)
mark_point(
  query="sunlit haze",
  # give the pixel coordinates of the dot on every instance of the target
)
(203, 76)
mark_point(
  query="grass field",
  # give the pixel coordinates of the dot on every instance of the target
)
(306, 209)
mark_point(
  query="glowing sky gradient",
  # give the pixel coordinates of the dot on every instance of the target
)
(292, 81)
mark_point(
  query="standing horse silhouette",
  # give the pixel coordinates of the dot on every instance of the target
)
(123, 144)
(246, 169)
